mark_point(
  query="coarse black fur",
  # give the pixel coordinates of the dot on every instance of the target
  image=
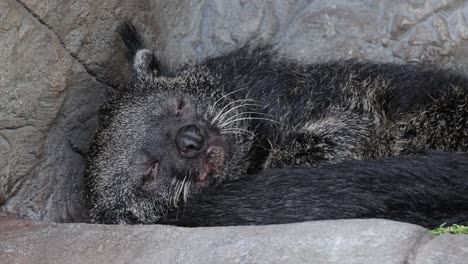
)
(167, 136)
(427, 190)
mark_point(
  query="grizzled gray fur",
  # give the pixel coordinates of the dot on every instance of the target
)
(168, 135)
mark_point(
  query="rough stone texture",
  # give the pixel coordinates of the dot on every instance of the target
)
(340, 241)
(47, 116)
(60, 57)
(443, 249)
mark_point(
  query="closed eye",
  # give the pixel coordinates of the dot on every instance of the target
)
(151, 173)
(180, 106)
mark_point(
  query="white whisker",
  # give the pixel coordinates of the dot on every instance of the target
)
(178, 191)
(225, 96)
(249, 118)
(248, 113)
(224, 108)
(187, 187)
(238, 131)
(220, 118)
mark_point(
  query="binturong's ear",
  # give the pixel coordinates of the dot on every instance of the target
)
(143, 61)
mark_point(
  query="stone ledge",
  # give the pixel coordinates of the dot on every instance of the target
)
(338, 241)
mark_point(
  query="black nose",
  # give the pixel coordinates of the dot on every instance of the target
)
(189, 141)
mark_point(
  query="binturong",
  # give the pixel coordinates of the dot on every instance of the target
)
(426, 190)
(169, 134)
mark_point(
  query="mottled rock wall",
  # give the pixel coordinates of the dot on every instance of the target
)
(60, 59)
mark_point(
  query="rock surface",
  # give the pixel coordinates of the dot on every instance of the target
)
(48, 106)
(61, 58)
(339, 241)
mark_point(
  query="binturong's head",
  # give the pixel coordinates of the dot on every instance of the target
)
(162, 138)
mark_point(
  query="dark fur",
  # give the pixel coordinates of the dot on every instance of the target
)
(260, 111)
(427, 190)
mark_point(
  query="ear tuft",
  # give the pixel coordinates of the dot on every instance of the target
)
(142, 60)
(131, 38)
(144, 64)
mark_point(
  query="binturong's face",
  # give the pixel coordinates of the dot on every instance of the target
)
(161, 139)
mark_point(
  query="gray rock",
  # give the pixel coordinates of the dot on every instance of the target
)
(339, 241)
(59, 59)
(443, 249)
(48, 107)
